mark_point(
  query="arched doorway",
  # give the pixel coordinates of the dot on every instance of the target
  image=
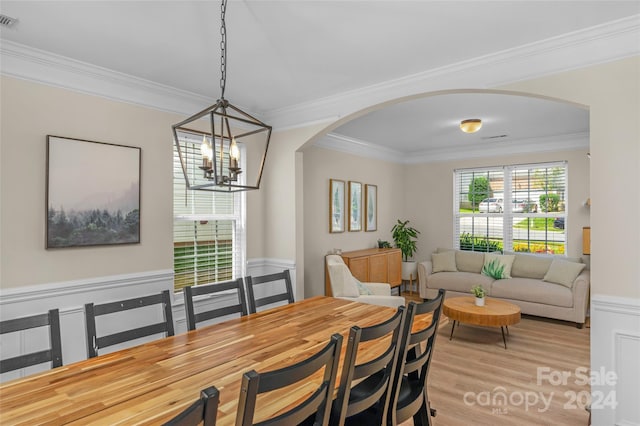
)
(414, 177)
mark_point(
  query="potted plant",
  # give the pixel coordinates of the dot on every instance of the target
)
(404, 237)
(479, 292)
(383, 244)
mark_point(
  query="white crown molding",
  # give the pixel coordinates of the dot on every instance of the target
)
(27, 63)
(500, 148)
(361, 148)
(366, 149)
(598, 44)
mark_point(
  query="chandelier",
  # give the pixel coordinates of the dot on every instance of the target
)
(210, 142)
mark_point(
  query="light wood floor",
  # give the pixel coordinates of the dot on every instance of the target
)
(470, 373)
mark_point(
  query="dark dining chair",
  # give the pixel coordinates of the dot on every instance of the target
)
(193, 318)
(53, 354)
(92, 311)
(367, 402)
(410, 397)
(286, 295)
(203, 411)
(315, 408)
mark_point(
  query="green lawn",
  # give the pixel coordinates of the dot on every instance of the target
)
(537, 224)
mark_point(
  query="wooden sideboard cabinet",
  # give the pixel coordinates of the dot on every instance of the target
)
(372, 265)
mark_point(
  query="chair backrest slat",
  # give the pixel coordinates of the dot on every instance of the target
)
(373, 379)
(92, 311)
(252, 282)
(204, 410)
(125, 305)
(193, 317)
(25, 323)
(414, 362)
(318, 403)
(53, 354)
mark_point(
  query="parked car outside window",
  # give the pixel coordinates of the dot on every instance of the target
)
(559, 223)
(524, 206)
(491, 205)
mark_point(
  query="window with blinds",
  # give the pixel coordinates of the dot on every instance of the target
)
(513, 208)
(208, 230)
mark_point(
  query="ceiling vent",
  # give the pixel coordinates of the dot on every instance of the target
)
(7, 21)
(494, 137)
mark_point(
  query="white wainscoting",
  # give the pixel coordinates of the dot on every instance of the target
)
(615, 347)
(255, 267)
(70, 297)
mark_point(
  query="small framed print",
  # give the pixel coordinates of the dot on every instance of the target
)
(336, 206)
(355, 206)
(371, 208)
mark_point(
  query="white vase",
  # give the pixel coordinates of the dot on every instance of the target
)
(479, 301)
(410, 270)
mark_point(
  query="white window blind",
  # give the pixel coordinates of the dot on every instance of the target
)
(514, 208)
(208, 229)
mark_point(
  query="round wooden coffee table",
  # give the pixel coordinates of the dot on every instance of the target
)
(495, 313)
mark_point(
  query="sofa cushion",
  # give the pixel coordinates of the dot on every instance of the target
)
(459, 281)
(530, 266)
(534, 291)
(444, 262)
(466, 261)
(497, 266)
(563, 272)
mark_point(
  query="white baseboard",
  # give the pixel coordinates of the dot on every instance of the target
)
(615, 347)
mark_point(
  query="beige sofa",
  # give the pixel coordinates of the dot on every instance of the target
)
(541, 285)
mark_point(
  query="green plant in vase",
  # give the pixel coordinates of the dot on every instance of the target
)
(404, 237)
(383, 244)
(480, 293)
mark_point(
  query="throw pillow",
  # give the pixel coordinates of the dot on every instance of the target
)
(444, 262)
(497, 266)
(563, 272)
(469, 261)
(362, 289)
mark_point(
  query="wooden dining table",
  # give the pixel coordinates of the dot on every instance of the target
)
(152, 382)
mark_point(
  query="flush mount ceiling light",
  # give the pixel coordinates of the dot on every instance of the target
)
(208, 142)
(471, 126)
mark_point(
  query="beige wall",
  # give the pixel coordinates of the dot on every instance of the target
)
(430, 197)
(29, 112)
(612, 91)
(320, 165)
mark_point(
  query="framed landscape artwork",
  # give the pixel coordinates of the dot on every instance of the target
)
(355, 206)
(93, 193)
(336, 206)
(371, 208)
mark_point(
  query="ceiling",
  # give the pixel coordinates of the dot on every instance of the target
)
(284, 54)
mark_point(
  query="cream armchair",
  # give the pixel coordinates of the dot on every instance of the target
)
(345, 286)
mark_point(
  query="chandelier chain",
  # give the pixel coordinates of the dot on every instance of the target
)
(223, 48)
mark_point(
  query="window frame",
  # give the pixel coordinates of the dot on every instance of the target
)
(508, 216)
(237, 217)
